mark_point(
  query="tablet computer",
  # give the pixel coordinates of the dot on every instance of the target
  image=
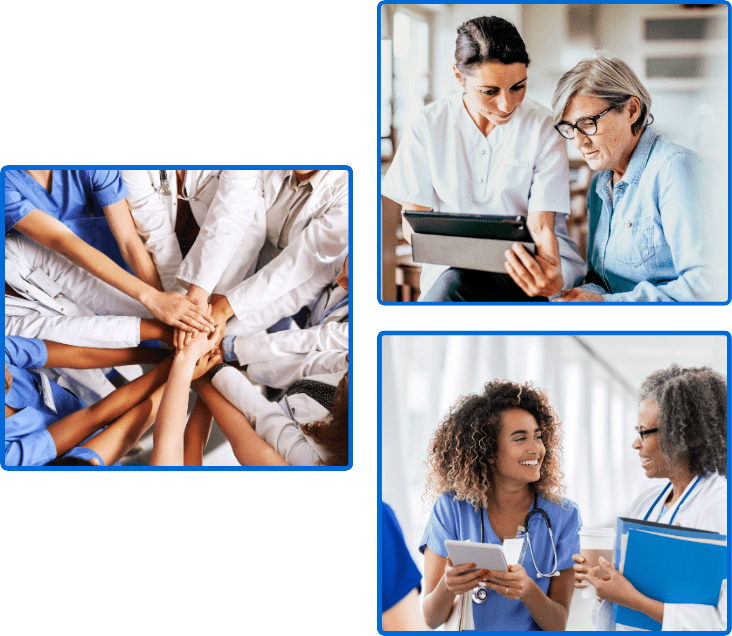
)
(507, 228)
(486, 556)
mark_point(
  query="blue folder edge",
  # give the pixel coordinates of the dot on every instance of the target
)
(671, 580)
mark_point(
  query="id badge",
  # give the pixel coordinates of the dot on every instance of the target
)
(47, 393)
(514, 548)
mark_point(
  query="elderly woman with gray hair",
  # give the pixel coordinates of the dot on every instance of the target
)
(682, 438)
(651, 225)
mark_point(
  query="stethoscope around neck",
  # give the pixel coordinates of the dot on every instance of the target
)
(480, 594)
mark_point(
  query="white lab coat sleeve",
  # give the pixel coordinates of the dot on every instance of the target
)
(696, 618)
(239, 200)
(268, 346)
(106, 332)
(283, 372)
(154, 224)
(289, 304)
(268, 420)
(320, 243)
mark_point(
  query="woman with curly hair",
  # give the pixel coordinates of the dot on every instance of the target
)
(682, 438)
(492, 461)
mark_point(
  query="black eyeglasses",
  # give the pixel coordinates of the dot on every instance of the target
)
(643, 434)
(586, 125)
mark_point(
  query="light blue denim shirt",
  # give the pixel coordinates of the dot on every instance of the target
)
(650, 236)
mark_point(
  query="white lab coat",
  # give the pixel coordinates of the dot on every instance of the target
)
(69, 316)
(279, 427)
(317, 238)
(446, 164)
(705, 509)
(229, 211)
(280, 359)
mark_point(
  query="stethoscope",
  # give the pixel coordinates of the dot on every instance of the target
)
(480, 594)
(663, 492)
(166, 191)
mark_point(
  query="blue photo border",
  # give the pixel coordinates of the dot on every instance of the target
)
(379, 440)
(350, 320)
(378, 173)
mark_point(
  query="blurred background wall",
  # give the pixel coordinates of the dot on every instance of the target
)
(591, 382)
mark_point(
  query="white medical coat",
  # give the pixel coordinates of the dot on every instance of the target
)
(705, 509)
(446, 164)
(280, 430)
(229, 211)
(317, 238)
(280, 359)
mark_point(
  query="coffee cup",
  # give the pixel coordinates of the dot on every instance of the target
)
(596, 543)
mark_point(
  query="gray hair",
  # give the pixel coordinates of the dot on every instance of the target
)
(692, 406)
(608, 78)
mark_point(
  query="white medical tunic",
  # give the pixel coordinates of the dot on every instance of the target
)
(705, 509)
(445, 163)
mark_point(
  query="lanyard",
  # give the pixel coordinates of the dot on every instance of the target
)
(683, 499)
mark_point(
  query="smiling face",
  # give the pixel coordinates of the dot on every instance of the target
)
(493, 92)
(520, 448)
(611, 147)
(652, 459)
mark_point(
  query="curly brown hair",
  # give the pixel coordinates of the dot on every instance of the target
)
(332, 432)
(692, 409)
(465, 443)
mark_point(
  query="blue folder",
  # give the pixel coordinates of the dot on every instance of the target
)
(671, 568)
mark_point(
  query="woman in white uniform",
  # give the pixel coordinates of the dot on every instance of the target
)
(682, 438)
(488, 150)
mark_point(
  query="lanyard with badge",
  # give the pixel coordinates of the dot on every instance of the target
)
(663, 492)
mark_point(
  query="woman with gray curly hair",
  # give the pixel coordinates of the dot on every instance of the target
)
(682, 438)
(651, 223)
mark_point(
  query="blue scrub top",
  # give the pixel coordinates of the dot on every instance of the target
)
(399, 574)
(76, 199)
(457, 520)
(27, 442)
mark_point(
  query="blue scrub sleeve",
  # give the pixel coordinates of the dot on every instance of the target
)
(441, 526)
(399, 574)
(567, 537)
(108, 186)
(16, 205)
(25, 353)
(81, 452)
(35, 449)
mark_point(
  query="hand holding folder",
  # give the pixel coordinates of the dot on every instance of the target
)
(668, 564)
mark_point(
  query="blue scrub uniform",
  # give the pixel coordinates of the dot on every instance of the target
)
(399, 574)
(27, 442)
(457, 520)
(76, 199)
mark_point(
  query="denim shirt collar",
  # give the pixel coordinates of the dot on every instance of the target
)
(637, 164)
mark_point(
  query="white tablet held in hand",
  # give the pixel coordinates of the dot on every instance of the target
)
(486, 556)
